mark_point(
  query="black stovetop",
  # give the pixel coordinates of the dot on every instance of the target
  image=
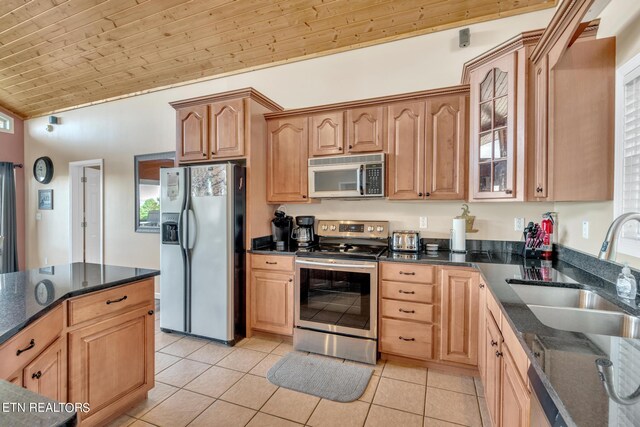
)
(335, 248)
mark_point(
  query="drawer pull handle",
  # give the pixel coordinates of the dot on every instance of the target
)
(271, 263)
(32, 344)
(116, 300)
(406, 339)
(498, 353)
(37, 375)
(494, 343)
(401, 310)
(411, 273)
(406, 292)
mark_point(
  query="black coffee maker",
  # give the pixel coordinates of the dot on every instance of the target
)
(303, 234)
(281, 226)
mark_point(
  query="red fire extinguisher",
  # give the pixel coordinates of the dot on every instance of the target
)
(547, 239)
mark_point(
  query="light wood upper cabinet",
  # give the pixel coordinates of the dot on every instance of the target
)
(227, 128)
(193, 133)
(110, 360)
(493, 130)
(47, 374)
(287, 148)
(272, 301)
(446, 147)
(406, 150)
(365, 129)
(327, 134)
(459, 321)
(515, 399)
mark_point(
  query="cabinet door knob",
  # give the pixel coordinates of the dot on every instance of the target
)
(304, 196)
(37, 375)
(427, 194)
(508, 191)
(151, 312)
(290, 279)
(494, 343)
(419, 194)
(339, 148)
(498, 353)
(204, 154)
(350, 147)
(481, 285)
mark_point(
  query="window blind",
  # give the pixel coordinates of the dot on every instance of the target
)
(631, 153)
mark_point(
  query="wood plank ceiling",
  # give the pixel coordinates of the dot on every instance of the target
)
(59, 54)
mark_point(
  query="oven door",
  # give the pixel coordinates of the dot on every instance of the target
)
(336, 181)
(339, 296)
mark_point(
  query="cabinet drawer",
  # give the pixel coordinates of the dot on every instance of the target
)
(30, 342)
(406, 338)
(408, 292)
(272, 262)
(113, 300)
(406, 272)
(407, 310)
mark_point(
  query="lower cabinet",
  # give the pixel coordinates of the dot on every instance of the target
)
(505, 385)
(271, 294)
(111, 363)
(459, 321)
(47, 374)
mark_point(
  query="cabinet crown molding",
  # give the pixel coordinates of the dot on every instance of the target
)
(459, 89)
(248, 92)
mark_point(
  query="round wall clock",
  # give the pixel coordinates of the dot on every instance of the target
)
(44, 292)
(43, 170)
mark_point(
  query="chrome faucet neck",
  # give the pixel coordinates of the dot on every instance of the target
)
(608, 251)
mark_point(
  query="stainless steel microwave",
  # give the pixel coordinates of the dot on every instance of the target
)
(347, 176)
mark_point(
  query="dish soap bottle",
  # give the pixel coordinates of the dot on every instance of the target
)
(626, 285)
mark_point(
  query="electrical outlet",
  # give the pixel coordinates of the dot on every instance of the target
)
(518, 224)
(423, 222)
(38, 216)
(585, 229)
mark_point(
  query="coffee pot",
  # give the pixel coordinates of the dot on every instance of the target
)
(303, 234)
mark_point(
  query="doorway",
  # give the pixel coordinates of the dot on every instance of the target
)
(86, 211)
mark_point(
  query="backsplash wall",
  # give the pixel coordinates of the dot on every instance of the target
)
(494, 221)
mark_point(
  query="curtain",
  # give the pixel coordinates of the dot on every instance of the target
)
(8, 224)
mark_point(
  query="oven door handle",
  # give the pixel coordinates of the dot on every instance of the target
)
(326, 264)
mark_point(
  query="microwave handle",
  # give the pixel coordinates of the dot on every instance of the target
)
(359, 180)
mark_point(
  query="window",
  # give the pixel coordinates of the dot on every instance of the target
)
(6, 123)
(627, 195)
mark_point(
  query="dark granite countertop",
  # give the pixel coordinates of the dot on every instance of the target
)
(24, 408)
(27, 295)
(564, 361)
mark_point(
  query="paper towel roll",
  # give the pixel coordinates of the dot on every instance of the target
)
(459, 235)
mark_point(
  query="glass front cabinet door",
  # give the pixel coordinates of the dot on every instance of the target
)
(493, 130)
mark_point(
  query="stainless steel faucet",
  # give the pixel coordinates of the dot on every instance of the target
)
(608, 249)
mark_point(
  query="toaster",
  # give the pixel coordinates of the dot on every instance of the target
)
(405, 241)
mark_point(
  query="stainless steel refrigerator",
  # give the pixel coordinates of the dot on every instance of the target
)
(202, 251)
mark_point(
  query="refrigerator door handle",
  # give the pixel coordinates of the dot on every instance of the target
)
(180, 230)
(193, 231)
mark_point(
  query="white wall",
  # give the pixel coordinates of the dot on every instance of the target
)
(118, 130)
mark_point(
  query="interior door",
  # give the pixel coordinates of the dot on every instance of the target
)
(92, 212)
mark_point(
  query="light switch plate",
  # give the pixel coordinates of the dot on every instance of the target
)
(38, 216)
(585, 229)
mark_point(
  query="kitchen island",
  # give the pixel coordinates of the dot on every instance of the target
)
(80, 333)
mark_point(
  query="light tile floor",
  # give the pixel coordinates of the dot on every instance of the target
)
(200, 383)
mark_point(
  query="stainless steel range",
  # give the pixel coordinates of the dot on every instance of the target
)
(336, 292)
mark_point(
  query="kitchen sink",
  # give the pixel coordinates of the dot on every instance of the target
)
(563, 297)
(588, 321)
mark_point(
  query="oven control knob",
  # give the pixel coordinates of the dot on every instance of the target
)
(370, 228)
(325, 227)
(333, 228)
(380, 229)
